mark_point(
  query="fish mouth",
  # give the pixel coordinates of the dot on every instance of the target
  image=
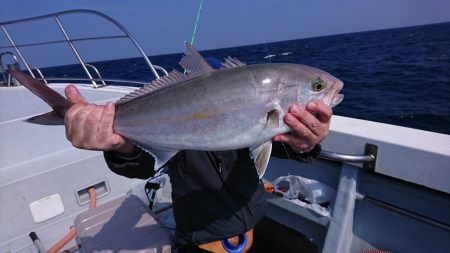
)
(337, 98)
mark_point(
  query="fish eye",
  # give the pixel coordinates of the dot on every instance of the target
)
(317, 85)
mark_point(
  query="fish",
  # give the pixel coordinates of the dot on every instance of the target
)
(236, 106)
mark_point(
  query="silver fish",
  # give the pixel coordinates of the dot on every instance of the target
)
(238, 106)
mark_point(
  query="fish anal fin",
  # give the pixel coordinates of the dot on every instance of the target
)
(261, 156)
(161, 156)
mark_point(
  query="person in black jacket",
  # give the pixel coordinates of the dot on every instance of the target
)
(216, 195)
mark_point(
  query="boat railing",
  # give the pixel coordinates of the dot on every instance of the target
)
(368, 159)
(40, 74)
(71, 42)
(98, 74)
(7, 79)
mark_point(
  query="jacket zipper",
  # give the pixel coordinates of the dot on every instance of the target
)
(219, 163)
(219, 160)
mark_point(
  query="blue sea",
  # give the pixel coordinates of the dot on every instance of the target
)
(396, 76)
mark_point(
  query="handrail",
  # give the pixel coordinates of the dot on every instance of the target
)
(70, 41)
(40, 74)
(368, 159)
(17, 50)
(98, 74)
(95, 79)
(2, 65)
(64, 41)
(72, 46)
(329, 155)
(162, 69)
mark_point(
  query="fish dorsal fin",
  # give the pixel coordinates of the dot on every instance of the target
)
(231, 62)
(261, 156)
(172, 78)
(194, 63)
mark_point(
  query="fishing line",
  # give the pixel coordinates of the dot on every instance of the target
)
(290, 162)
(260, 33)
(196, 26)
(196, 22)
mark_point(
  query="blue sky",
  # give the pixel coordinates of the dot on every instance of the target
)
(162, 26)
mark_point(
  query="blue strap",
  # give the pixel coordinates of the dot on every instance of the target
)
(230, 248)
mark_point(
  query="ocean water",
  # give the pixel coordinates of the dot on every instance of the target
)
(395, 76)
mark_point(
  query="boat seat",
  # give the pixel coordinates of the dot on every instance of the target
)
(121, 225)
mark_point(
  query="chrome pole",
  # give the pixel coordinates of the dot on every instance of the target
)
(75, 51)
(136, 44)
(18, 51)
(346, 158)
(368, 160)
(121, 27)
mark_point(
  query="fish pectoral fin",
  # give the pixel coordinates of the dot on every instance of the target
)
(161, 156)
(261, 156)
(273, 119)
(274, 115)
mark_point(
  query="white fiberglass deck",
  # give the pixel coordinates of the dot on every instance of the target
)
(37, 162)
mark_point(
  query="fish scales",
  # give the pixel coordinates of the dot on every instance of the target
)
(235, 107)
(207, 112)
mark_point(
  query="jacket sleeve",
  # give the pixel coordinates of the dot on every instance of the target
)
(281, 150)
(140, 166)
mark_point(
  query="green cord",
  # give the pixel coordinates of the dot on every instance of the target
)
(196, 22)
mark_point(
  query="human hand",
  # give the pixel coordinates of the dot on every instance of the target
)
(309, 126)
(90, 126)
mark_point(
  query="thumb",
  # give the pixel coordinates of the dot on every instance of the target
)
(74, 95)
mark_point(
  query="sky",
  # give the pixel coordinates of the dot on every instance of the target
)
(161, 27)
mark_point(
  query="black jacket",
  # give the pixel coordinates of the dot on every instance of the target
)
(215, 194)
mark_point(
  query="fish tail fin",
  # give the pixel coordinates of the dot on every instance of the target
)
(59, 103)
(48, 118)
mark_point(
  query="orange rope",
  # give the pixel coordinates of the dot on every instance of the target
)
(92, 198)
(72, 232)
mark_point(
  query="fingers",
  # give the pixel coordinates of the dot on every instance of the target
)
(301, 121)
(309, 125)
(69, 119)
(89, 126)
(74, 95)
(105, 133)
(322, 111)
(80, 125)
(105, 128)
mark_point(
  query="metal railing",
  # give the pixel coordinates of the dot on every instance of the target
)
(40, 74)
(98, 74)
(7, 79)
(56, 16)
(368, 159)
